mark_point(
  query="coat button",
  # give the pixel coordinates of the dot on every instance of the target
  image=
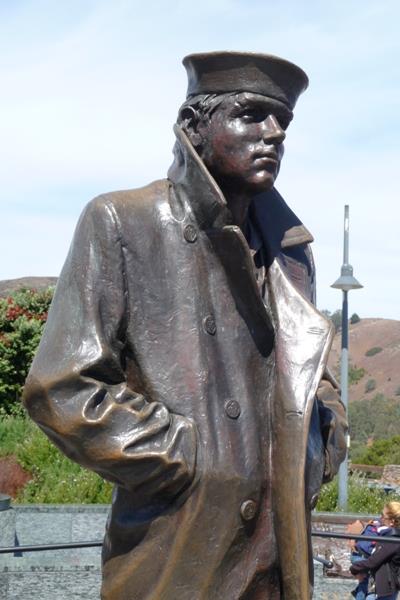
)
(190, 233)
(232, 409)
(248, 510)
(209, 324)
(313, 501)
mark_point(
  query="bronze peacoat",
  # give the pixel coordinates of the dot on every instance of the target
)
(164, 370)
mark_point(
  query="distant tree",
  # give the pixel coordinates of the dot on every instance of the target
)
(354, 319)
(373, 418)
(336, 319)
(327, 313)
(370, 385)
(397, 392)
(382, 452)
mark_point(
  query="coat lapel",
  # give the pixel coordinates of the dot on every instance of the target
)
(302, 342)
(230, 246)
(198, 190)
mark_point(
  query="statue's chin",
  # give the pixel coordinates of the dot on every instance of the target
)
(259, 186)
(250, 186)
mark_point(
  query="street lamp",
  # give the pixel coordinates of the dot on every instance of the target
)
(346, 282)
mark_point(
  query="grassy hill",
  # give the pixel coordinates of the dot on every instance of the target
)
(374, 348)
(32, 283)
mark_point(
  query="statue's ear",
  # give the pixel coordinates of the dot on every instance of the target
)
(188, 118)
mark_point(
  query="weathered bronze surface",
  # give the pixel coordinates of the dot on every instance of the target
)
(183, 358)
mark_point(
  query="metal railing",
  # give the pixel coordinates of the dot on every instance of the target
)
(99, 543)
(346, 536)
(42, 547)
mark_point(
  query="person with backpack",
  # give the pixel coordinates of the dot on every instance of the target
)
(384, 562)
(360, 550)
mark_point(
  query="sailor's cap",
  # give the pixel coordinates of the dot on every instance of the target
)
(221, 72)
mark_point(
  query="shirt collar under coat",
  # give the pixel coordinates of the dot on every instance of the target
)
(278, 225)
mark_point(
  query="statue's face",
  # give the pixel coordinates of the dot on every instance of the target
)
(242, 144)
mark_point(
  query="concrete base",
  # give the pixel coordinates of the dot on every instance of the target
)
(76, 574)
(27, 578)
(51, 579)
(7, 527)
(54, 574)
(331, 588)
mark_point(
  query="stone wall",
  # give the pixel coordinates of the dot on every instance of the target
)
(72, 574)
(391, 475)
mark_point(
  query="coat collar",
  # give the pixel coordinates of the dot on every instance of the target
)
(195, 184)
(277, 223)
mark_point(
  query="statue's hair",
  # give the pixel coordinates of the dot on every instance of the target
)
(202, 107)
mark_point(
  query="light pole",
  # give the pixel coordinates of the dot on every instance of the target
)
(346, 282)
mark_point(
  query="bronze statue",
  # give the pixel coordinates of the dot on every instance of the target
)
(183, 357)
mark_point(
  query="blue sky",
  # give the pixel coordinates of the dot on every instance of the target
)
(90, 91)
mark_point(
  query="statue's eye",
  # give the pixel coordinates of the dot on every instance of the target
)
(283, 122)
(253, 115)
(283, 119)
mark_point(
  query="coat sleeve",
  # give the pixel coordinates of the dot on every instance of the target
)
(77, 390)
(382, 554)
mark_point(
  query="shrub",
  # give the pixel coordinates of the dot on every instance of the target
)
(328, 497)
(397, 392)
(354, 319)
(22, 318)
(13, 430)
(373, 351)
(361, 497)
(357, 451)
(355, 374)
(370, 385)
(55, 478)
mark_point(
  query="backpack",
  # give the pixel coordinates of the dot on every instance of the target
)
(366, 547)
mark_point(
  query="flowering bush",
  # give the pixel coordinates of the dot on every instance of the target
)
(22, 318)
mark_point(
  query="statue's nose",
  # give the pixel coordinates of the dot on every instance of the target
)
(273, 131)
